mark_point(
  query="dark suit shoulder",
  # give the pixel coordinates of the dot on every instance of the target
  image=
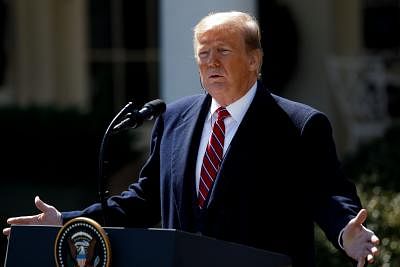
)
(299, 113)
(184, 103)
(185, 109)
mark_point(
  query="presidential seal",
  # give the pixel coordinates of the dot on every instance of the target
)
(82, 242)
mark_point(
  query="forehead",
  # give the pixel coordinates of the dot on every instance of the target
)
(220, 34)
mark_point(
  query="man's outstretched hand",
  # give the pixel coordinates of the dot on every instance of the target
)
(359, 242)
(49, 216)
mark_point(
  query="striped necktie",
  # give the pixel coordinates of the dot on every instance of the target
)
(212, 157)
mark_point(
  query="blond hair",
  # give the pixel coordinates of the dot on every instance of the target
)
(243, 22)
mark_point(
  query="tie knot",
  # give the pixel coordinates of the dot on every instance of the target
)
(222, 113)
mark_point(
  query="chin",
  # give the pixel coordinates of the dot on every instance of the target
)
(216, 86)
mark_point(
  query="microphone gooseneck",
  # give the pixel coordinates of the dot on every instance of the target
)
(128, 117)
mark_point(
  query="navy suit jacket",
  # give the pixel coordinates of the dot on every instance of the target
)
(280, 174)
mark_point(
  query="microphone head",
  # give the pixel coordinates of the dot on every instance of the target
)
(157, 107)
(135, 118)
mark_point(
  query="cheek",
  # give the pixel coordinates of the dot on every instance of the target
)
(202, 69)
(239, 67)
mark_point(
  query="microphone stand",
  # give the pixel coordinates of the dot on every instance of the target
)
(102, 178)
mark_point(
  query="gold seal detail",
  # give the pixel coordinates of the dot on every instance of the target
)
(82, 242)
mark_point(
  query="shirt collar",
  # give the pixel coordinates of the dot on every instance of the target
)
(238, 108)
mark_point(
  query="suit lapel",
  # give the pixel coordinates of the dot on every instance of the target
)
(186, 141)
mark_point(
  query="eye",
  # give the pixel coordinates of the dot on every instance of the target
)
(203, 54)
(224, 51)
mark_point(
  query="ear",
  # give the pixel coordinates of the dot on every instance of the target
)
(255, 57)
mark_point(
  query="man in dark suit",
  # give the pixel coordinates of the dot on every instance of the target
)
(223, 161)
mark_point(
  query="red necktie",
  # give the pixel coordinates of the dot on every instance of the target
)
(213, 157)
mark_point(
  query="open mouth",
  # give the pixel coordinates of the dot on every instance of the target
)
(215, 76)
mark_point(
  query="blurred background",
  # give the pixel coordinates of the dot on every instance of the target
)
(68, 66)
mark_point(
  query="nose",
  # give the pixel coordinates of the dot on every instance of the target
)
(213, 60)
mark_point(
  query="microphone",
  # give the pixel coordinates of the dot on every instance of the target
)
(135, 118)
(131, 118)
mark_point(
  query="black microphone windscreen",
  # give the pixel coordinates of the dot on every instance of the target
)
(158, 106)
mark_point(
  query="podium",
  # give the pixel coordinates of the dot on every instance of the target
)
(33, 245)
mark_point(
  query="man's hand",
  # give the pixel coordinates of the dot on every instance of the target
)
(359, 242)
(49, 216)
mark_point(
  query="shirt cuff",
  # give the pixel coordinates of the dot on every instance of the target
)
(340, 239)
(59, 218)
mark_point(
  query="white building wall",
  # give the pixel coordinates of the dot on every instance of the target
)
(49, 55)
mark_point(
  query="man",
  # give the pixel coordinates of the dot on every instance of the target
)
(215, 170)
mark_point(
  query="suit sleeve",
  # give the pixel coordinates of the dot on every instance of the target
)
(335, 201)
(139, 206)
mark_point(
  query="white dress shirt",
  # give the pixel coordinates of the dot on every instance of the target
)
(237, 110)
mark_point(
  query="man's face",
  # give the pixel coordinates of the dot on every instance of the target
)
(227, 69)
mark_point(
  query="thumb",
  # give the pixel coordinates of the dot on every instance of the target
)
(43, 207)
(361, 217)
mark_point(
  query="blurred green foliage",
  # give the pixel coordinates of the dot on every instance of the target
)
(375, 168)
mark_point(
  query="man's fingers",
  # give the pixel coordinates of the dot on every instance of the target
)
(24, 220)
(370, 258)
(49, 216)
(6, 231)
(43, 207)
(375, 240)
(374, 250)
(361, 216)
